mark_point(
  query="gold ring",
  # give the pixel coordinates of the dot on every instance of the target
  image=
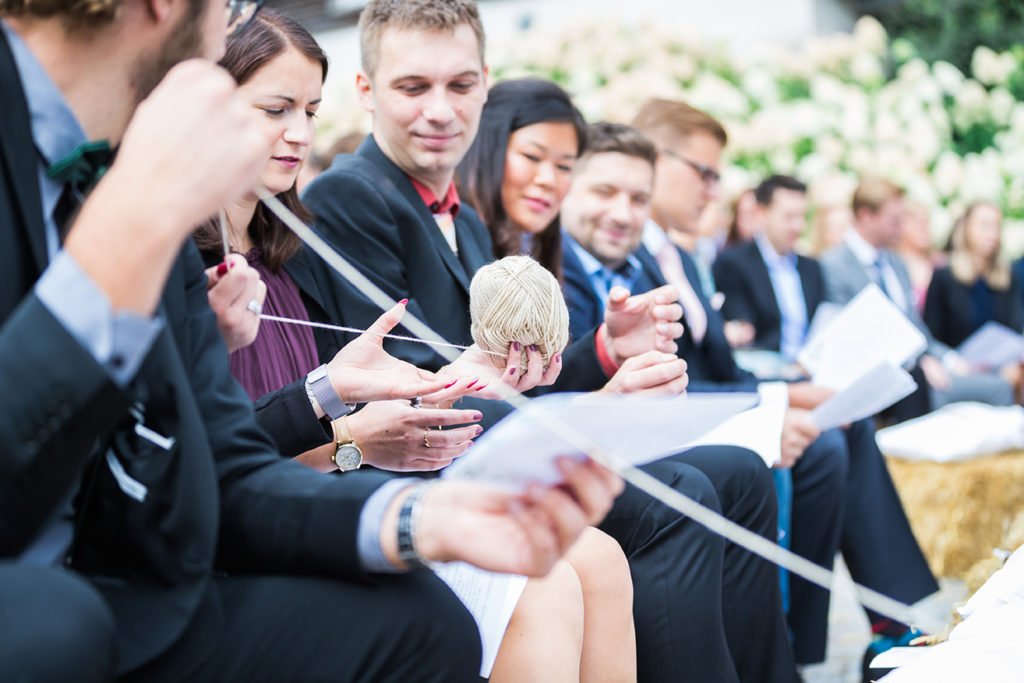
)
(426, 442)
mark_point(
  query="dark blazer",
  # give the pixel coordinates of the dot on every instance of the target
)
(742, 276)
(710, 364)
(221, 497)
(370, 211)
(949, 309)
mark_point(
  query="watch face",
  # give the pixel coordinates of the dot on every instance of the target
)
(348, 457)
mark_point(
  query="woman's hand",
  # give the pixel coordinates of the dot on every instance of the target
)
(397, 437)
(230, 288)
(653, 373)
(475, 361)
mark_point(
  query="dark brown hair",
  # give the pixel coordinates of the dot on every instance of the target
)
(77, 15)
(608, 138)
(427, 15)
(512, 105)
(267, 36)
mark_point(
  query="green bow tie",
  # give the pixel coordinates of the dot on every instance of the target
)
(84, 167)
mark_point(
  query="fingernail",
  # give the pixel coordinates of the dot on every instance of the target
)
(477, 417)
(481, 388)
(479, 431)
(403, 302)
(512, 371)
(533, 347)
(515, 346)
(558, 358)
(222, 268)
(451, 384)
(475, 380)
(231, 264)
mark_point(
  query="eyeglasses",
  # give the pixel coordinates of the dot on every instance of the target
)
(708, 175)
(240, 13)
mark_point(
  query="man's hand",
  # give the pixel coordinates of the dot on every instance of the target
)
(363, 371)
(391, 435)
(476, 362)
(935, 373)
(798, 432)
(739, 333)
(641, 323)
(193, 146)
(230, 287)
(653, 373)
(808, 396)
(504, 532)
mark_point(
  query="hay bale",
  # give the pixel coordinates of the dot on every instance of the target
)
(960, 511)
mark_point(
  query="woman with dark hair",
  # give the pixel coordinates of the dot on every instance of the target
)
(520, 167)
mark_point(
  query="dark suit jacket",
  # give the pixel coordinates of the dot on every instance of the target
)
(742, 276)
(220, 497)
(710, 364)
(949, 310)
(370, 211)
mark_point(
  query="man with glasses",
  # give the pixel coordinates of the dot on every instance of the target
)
(149, 530)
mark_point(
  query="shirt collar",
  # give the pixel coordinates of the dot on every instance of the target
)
(865, 253)
(654, 237)
(55, 130)
(593, 267)
(450, 203)
(773, 258)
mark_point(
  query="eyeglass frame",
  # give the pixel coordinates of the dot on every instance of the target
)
(709, 176)
(237, 6)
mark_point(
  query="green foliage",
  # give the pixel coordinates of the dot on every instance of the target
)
(951, 29)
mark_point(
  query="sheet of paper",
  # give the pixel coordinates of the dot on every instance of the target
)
(898, 656)
(825, 314)
(868, 331)
(992, 346)
(873, 392)
(491, 599)
(758, 429)
(523, 447)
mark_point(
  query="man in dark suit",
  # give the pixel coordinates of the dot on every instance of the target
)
(843, 498)
(765, 281)
(131, 457)
(393, 210)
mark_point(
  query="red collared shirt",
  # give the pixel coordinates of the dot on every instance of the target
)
(450, 203)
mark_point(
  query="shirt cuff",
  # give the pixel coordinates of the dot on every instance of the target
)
(608, 366)
(119, 341)
(371, 555)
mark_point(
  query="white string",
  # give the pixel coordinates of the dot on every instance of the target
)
(675, 500)
(356, 330)
(224, 234)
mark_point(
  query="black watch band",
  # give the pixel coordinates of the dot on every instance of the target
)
(407, 518)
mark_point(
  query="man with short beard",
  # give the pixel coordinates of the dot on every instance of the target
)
(130, 457)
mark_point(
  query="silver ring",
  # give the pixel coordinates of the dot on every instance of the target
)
(255, 307)
(416, 402)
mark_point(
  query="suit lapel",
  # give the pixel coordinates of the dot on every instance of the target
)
(763, 286)
(403, 186)
(19, 154)
(809, 285)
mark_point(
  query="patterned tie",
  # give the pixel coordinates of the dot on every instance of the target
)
(84, 167)
(671, 264)
(880, 275)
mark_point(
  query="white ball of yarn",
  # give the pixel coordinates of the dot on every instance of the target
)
(517, 299)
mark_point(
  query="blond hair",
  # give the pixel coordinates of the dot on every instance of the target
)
(962, 263)
(872, 193)
(665, 120)
(424, 15)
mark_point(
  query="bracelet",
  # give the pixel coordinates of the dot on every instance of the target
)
(408, 517)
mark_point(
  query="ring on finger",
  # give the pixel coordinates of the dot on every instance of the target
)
(255, 307)
(426, 440)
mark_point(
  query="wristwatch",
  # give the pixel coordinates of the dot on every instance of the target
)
(319, 387)
(347, 454)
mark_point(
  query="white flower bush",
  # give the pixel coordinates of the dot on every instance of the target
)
(826, 112)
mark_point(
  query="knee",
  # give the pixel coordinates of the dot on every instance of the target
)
(602, 568)
(826, 461)
(70, 635)
(558, 601)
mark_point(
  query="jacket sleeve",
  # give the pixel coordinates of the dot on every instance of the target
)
(729, 278)
(287, 416)
(58, 402)
(276, 514)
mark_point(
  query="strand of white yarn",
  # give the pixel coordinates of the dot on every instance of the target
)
(683, 504)
(356, 330)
